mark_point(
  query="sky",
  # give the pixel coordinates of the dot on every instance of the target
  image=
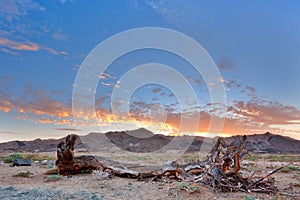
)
(255, 46)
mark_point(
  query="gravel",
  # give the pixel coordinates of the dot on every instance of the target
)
(13, 193)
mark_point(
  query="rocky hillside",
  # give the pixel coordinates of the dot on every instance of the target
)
(143, 140)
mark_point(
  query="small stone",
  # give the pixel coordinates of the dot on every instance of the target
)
(21, 162)
(44, 162)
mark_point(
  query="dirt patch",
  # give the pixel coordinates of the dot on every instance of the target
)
(87, 186)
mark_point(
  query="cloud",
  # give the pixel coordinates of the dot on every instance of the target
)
(9, 51)
(11, 133)
(15, 8)
(232, 84)
(242, 117)
(59, 36)
(269, 113)
(19, 26)
(54, 52)
(67, 1)
(108, 84)
(175, 11)
(195, 80)
(226, 64)
(18, 45)
(251, 90)
(25, 46)
(156, 90)
(67, 129)
(37, 104)
(107, 76)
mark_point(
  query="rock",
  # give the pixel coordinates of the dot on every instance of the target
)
(51, 162)
(21, 162)
(44, 162)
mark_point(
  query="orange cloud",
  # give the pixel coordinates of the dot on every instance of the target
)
(54, 52)
(25, 46)
(241, 117)
(18, 45)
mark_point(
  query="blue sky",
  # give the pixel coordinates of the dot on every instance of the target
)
(255, 45)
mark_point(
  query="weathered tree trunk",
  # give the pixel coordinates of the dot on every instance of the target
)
(219, 171)
(67, 164)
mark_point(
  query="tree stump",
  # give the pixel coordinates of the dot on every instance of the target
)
(219, 171)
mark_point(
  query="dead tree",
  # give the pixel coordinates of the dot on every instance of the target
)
(220, 170)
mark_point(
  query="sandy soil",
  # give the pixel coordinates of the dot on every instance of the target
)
(87, 186)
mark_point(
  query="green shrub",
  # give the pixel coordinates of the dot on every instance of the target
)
(11, 157)
(23, 174)
(38, 157)
(54, 177)
(252, 157)
(287, 169)
(52, 171)
(249, 198)
(189, 187)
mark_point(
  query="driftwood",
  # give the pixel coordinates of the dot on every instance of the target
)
(220, 171)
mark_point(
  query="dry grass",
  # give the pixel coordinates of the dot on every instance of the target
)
(273, 157)
(26, 174)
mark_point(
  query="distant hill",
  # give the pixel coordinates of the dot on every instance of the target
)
(143, 140)
(270, 143)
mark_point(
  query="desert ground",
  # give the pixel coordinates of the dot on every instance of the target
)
(35, 184)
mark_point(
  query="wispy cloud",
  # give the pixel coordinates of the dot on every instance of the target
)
(55, 52)
(156, 90)
(107, 76)
(25, 46)
(16, 8)
(67, 129)
(11, 133)
(9, 51)
(226, 64)
(174, 11)
(269, 113)
(18, 45)
(242, 117)
(16, 18)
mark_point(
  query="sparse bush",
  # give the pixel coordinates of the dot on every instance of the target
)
(190, 158)
(38, 157)
(283, 158)
(11, 157)
(53, 177)
(53, 171)
(188, 187)
(252, 157)
(23, 174)
(290, 168)
(144, 157)
(249, 198)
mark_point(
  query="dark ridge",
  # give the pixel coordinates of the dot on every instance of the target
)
(143, 140)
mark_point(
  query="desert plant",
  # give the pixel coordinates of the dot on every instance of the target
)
(38, 157)
(249, 198)
(190, 158)
(11, 157)
(189, 187)
(53, 177)
(23, 174)
(52, 171)
(290, 168)
(252, 157)
(283, 158)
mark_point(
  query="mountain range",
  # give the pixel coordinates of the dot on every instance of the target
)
(143, 140)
